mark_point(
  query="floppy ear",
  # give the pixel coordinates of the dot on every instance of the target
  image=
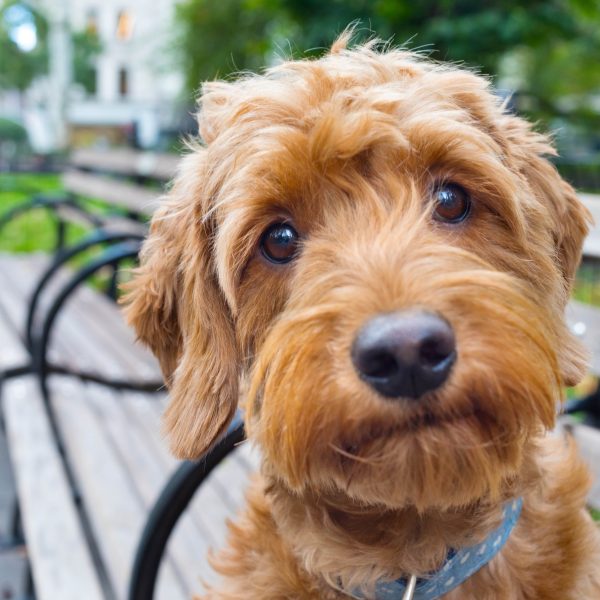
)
(151, 296)
(570, 221)
(176, 306)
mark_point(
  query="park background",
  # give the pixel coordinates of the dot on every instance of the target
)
(109, 76)
(85, 74)
(126, 72)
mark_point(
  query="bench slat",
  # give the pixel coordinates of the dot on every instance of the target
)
(104, 321)
(89, 319)
(18, 276)
(127, 195)
(61, 560)
(189, 549)
(115, 510)
(113, 223)
(17, 280)
(127, 162)
(12, 350)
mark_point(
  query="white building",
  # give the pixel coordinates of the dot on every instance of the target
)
(136, 83)
(138, 88)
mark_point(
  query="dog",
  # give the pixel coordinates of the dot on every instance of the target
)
(373, 256)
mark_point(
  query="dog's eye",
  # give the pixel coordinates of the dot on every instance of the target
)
(453, 203)
(279, 243)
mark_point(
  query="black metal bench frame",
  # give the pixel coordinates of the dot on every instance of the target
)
(116, 247)
(169, 507)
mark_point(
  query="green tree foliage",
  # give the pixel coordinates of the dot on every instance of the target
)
(18, 68)
(217, 37)
(9, 130)
(559, 77)
(550, 48)
(86, 47)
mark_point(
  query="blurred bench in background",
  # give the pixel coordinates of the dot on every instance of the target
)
(584, 311)
(80, 401)
(82, 425)
(129, 180)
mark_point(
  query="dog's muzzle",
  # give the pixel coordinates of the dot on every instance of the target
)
(404, 354)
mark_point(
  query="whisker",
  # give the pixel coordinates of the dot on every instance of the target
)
(349, 455)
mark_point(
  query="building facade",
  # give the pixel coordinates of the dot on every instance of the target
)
(137, 88)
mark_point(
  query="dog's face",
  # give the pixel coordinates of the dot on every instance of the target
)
(376, 257)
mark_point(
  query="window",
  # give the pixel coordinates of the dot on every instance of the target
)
(123, 82)
(91, 21)
(93, 81)
(124, 25)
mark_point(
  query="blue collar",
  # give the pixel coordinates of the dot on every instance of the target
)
(459, 566)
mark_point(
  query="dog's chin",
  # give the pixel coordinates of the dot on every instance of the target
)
(368, 440)
(429, 459)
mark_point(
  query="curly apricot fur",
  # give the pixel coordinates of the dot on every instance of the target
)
(355, 488)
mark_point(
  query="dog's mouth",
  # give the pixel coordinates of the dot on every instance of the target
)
(376, 435)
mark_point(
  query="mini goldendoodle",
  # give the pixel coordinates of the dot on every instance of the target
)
(373, 256)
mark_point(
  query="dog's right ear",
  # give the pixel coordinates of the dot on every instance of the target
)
(175, 304)
(151, 296)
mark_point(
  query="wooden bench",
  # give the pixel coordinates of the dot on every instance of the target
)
(88, 459)
(127, 183)
(118, 177)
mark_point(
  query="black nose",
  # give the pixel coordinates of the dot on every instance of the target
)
(404, 354)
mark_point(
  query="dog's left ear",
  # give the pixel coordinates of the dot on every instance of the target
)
(570, 220)
(175, 304)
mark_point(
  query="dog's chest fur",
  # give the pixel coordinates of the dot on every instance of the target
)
(554, 551)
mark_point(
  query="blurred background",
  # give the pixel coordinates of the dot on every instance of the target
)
(96, 73)
(96, 97)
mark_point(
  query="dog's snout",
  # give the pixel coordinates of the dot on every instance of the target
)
(404, 354)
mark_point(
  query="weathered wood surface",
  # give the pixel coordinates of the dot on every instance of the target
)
(63, 566)
(125, 161)
(88, 320)
(138, 199)
(12, 352)
(111, 176)
(114, 223)
(113, 442)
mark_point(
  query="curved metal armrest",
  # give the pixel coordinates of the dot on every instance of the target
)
(50, 203)
(96, 238)
(170, 505)
(18, 187)
(588, 405)
(112, 256)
